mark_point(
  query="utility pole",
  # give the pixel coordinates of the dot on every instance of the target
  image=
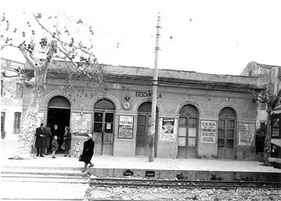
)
(154, 96)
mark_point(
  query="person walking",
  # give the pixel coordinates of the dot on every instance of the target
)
(67, 142)
(88, 152)
(55, 146)
(47, 140)
(40, 135)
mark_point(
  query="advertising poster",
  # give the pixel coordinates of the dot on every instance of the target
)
(167, 132)
(208, 131)
(126, 127)
(81, 124)
(246, 133)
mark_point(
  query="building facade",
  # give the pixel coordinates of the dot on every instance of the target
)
(198, 115)
(11, 98)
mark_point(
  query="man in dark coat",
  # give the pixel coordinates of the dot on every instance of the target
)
(40, 135)
(47, 140)
(88, 152)
(67, 141)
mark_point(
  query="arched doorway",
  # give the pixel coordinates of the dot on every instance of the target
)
(58, 114)
(227, 133)
(104, 111)
(143, 126)
(188, 132)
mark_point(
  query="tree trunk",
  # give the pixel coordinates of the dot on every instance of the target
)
(267, 140)
(27, 136)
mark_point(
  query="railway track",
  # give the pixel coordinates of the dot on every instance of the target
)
(133, 182)
(125, 182)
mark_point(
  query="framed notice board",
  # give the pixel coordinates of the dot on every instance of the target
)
(125, 127)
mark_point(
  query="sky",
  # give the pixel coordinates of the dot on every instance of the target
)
(206, 36)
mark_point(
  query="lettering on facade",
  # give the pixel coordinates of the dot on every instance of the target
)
(125, 129)
(246, 133)
(208, 131)
(146, 94)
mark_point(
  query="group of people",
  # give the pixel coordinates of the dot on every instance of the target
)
(47, 141)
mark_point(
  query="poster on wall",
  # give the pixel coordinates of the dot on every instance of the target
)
(246, 133)
(208, 130)
(80, 124)
(167, 129)
(125, 128)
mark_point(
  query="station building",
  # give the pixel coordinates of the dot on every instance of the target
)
(198, 115)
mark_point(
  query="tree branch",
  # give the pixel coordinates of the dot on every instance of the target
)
(50, 54)
(27, 57)
(7, 45)
(69, 60)
(58, 39)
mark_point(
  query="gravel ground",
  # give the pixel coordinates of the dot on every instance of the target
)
(122, 193)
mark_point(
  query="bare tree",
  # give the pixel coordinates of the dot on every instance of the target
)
(41, 41)
(271, 100)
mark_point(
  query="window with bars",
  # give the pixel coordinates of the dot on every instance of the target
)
(17, 120)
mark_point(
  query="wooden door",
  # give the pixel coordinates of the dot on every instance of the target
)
(142, 134)
(227, 133)
(187, 138)
(143, 129)
(226, 138)
(103, 129)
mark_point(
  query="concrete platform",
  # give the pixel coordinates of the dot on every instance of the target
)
(193, 169)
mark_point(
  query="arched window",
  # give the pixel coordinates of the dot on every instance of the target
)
(189, 110)
(104, 104)
(227, 133)
(59, 102)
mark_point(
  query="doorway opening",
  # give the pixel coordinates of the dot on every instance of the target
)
(143, 128)
(188, 132)
(104, 112)
(227, 133)
(58, 114)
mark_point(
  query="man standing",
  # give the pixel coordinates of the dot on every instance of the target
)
(40, 135)
(47, 140)
(67, 142)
